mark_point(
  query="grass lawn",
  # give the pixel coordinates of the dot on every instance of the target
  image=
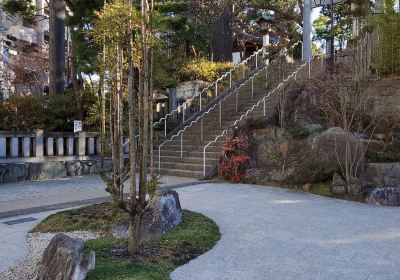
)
(193, 237)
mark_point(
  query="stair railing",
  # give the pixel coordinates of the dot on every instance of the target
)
(210, 92)
(262, 101)
(261, 67)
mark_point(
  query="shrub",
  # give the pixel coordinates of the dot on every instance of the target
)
(311, 171)
(203, 69)
(232, 167)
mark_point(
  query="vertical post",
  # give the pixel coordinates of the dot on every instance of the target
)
(307, 30)
(60, 146)
(50, 146)
(230, 79)
(27, 146)
(159, 158)
(14, 147)
(165, 126)
(257, 60)
(309, 69)
(39, 143)
(220, 114)
(91, 145)
(70, 146)
(204, 161)
(81, 144)
(3, 146)
(252, 88)
(201, 129)
(237, 100)
(183, 112)
(181, 144)
(216, 89)
(265, 112)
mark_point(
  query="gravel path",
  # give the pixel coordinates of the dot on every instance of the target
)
(271, 234)
(37, 243)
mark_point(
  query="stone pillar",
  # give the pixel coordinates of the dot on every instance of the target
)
(307, 30)
(39, 141)
(70, 146)
(14, 146)
(60, 146)
(91, 146)
(81, 144)
(50, 146)
(98, 145)
(27, 147)
(3, 146)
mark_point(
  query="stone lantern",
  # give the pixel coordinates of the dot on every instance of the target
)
(265, 23)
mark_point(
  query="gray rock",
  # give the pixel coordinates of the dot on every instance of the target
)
(337, 180)
(164, 213)
(313, 128)
(14, 172)
(64, 259)
(384, 196)
(47, 170)
(338, 189)
(354, 188)
(306, 187)
(381, 175)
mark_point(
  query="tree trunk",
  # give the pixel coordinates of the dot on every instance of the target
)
(56, 46)
(222, 42)
(134, 234)
(145, 95)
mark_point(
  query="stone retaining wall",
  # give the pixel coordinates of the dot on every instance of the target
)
(15, 172)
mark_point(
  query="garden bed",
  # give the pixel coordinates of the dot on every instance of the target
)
(160, 256)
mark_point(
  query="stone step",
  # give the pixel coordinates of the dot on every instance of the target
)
(210, 160)
(197, 167)
(195, 154)
(181, 173)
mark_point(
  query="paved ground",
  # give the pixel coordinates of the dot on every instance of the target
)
(272, 233)
(38, 196)
(269, 233)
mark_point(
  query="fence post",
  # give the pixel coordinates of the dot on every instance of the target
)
(81, 143)
(60, 146)
(26, 147)
(14, 146)
(39, 142)
(50, 146)
(3, 146)
(70, 146)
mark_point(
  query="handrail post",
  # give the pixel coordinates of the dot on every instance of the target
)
(265, 113)
(252, 88)
(181, 144)
(256, 59)
(230, 79)
(165, 127)
(220, 114)
(237, 100)
(159, 158)
(183, 112)
(216, 89)
(309, 69)
(204, 160)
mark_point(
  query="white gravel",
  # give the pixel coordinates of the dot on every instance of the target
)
(37, 243)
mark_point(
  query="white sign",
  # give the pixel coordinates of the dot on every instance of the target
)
(77, 126)
(319, 3)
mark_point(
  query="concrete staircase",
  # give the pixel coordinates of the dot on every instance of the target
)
(183, 154)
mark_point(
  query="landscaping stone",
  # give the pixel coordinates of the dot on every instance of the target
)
(384, 196)
(47, 170)
(164, 213)
(339, 189)
(354, 188)
(306, 187)
(64, 259)
(378, 175)
(338, 180)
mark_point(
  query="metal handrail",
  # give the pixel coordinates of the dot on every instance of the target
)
(213, 85)
(200, 117)
(262, 100)
(203, 114)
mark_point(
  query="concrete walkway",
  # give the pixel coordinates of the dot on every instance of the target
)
(40, 196)
(272, 233)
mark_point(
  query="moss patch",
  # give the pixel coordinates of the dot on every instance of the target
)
(97, 217)
(193, 237)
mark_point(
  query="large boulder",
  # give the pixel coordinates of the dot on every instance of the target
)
(164, 213)
(384, 196)
(64, 259)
